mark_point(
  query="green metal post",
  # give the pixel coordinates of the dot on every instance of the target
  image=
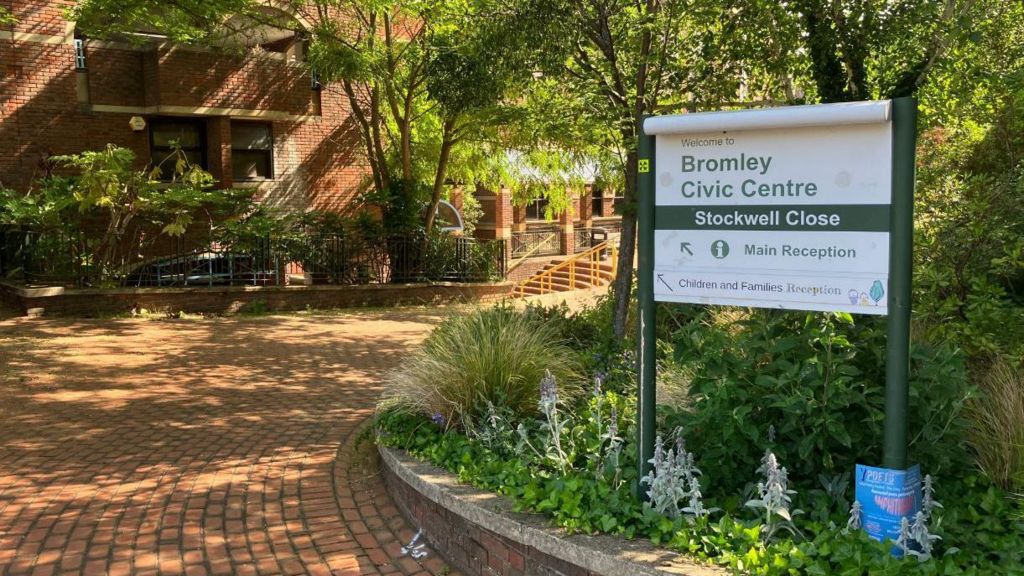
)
(645, 299)
(901, 253)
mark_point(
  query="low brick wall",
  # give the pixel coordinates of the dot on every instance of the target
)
(480, 534)
(530, 267)
(56, 301)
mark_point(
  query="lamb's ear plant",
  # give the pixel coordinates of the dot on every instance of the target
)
(493, 428)
(552, 427)
(673, 480)
(775, 498)
(612, 456)
(923, 540)
(856, 517)
(915, 538)
(928, 501)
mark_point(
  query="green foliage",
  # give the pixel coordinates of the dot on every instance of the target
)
(806, 386)
(970, 236)
(494, 356)
(108, 200)
(49, 207)
(817, 382)
(108, 181)
(586, 331)
(983, 523)
(6, 17)
(182, 20)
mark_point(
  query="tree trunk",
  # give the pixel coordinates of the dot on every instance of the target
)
(447, 142)
(622, 288)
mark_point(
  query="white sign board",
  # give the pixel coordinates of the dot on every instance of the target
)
(782, 208)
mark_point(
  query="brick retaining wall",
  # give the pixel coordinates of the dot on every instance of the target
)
(97, 302)
(480, 534)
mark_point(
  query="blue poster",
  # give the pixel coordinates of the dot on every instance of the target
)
(885, 497)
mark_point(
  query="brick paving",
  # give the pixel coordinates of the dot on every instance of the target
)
(214, 446)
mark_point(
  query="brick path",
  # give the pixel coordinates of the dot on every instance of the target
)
(220, 446)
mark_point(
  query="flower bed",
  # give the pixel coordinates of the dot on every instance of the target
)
(753, 472)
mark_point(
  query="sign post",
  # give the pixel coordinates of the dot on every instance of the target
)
(645, 303)
(901, 256)
(799, 208)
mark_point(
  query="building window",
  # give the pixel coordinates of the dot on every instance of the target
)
(168, 136)
(537, 209)
(252, 151)
(79, 54)
(597, 202)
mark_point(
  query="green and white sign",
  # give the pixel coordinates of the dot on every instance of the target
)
(802, 207)
(780, 208)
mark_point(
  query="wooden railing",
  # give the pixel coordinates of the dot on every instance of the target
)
(544, 280)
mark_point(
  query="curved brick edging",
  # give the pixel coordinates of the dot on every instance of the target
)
(481, 534)
(59, 301)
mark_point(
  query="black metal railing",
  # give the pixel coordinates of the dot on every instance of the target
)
(351, 258)
(581, 239)
(536, 243)
(361, 259)
(612, 225)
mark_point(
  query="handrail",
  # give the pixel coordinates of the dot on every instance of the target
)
(545, 278)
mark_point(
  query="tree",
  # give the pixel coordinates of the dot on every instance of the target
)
(423, 78)
(625, 61)
(862, 49)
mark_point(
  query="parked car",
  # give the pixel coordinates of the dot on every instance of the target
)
(205, 269)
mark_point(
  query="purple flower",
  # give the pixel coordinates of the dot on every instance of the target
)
(437, 419)
(597, 384)
(548, 388)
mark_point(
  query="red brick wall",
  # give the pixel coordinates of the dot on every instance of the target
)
(469, 547)
(39, 16)
(317, 157)
(116, 77)
(89, 303)
(190, 77)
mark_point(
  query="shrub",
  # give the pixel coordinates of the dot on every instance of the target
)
(495, 356)
(576, 329)
(969, 242)
(810, 387)
(110, 210)
(996, 432)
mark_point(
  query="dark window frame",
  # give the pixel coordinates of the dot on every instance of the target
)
(538, 207)
(202, 148)
(597, 202)
(269, 152)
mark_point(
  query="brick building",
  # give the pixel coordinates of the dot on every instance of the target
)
(251, 113)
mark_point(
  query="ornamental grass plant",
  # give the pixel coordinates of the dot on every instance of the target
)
(489, 357)
(996, 431)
